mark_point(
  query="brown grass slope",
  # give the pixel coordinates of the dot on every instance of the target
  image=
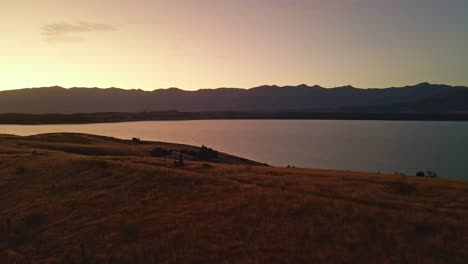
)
(61, 204)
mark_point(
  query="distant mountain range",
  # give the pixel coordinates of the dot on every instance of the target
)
(421, 98)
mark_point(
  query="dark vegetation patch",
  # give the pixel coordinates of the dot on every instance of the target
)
(421, 174)
(160, 152)
(206, 153)
(428, 174)
(203, 154)
(62, 138)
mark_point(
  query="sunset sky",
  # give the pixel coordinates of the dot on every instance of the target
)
(195, 44)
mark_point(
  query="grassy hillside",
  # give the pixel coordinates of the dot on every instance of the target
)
(73, 198)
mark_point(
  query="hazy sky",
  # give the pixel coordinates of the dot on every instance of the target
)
(233, 43)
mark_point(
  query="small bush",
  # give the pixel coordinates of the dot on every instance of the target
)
(206, 153)
(136, 140)
(160, 152)
(430, 174)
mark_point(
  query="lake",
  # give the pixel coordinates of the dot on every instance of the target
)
(385, 146)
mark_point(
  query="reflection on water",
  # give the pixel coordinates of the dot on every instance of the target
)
(385, 146)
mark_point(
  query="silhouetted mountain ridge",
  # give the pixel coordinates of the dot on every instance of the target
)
(423, 97)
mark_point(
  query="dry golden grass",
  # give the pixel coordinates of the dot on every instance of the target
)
(121, 206)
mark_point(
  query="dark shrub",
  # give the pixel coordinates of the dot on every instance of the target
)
(160, 152)
(207, 153)
(136, 140)
(430, 174)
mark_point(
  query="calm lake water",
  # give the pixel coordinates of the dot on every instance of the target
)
(385, 146)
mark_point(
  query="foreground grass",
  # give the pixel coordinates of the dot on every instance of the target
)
(78, 198)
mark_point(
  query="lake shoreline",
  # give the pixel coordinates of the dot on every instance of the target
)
(392, 147)
(119, 117)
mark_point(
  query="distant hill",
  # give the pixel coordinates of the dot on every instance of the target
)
(423, 97)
